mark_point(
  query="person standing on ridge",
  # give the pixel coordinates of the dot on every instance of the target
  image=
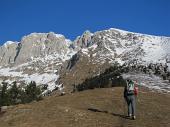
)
(130, 91)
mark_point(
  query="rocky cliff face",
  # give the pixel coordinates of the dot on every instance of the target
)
(8, 52)
(83, 41)
(33, 46)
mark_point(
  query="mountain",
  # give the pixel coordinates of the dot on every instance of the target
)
(50, 58)
(37, 57)
(105, 48)
(33, 46)
(123, 46)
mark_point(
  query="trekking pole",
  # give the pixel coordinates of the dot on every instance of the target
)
(124, 107)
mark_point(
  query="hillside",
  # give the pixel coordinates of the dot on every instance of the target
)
(90, 108)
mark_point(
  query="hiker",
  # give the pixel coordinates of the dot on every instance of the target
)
(130, 91)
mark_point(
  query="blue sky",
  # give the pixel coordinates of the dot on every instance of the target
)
(72, 17)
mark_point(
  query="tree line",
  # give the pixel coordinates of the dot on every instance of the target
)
(14, 94)
(112, 76)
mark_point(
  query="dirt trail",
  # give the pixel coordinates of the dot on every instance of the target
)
(91, 108)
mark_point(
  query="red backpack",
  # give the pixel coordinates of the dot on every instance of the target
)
(136, 90)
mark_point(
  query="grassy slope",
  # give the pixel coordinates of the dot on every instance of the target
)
(91, 108)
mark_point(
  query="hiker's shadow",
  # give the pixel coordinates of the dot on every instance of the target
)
(114, 114)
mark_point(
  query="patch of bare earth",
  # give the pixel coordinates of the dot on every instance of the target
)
(90, 108)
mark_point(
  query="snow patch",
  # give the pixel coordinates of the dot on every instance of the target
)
(150, 81)
(41, 78)
(85, 51)
(59, 35)
(8, 43)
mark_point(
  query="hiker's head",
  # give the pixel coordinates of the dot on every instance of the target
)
(128, 80)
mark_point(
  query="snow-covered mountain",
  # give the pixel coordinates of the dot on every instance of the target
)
(45, 57)
(104, 48)
(36, 58)
(123, 46)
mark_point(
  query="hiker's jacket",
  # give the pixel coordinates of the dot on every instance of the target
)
(127, 91)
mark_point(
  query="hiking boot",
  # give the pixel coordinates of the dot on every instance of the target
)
(129, 115)
(133, 117)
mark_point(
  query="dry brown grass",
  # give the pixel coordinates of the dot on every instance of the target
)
(91, 108)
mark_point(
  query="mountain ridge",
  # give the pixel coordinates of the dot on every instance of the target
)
(89, 30)
(42, 55)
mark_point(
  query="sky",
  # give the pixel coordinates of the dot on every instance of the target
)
(72, 17)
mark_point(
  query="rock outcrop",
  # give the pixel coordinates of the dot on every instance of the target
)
(33, 46)
(8, 53)
(83, 41)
